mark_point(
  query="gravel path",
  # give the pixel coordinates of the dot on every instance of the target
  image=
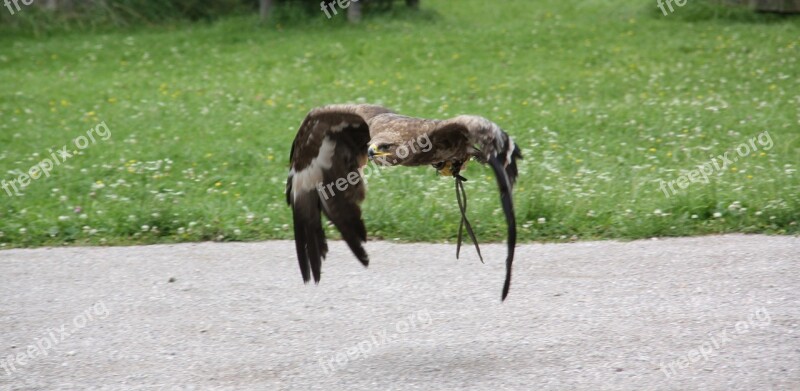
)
(707, 313)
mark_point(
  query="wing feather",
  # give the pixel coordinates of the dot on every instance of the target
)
(504, 184)
(494, 146)
(329, 145)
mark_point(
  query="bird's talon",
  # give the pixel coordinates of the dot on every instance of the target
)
(444, 168)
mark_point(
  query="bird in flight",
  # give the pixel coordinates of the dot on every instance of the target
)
(334, 143)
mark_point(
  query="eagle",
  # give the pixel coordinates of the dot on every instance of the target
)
(335, 142)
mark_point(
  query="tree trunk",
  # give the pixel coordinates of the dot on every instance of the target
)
(354, 12)
(55, 5)
(50, 5)
(265, 9)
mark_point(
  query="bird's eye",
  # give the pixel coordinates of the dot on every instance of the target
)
(383, 147)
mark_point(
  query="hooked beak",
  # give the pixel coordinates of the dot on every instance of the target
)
(373, 151)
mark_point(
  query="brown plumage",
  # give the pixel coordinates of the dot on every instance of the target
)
(334, 143)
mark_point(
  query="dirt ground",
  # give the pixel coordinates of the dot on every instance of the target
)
(704, 313)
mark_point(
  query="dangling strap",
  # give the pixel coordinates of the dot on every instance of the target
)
(461, 195)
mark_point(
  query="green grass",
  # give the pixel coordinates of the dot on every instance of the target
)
(606, 99)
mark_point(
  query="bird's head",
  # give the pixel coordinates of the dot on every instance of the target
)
(391, 149)
(387, 151)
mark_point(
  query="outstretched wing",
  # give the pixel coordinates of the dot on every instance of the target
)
(324, 177)
(489, 144)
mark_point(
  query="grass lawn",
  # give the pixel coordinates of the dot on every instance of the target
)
(606, 98)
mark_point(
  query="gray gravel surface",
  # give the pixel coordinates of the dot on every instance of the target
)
(705, 313)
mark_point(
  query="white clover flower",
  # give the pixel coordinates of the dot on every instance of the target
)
(694, 216)
(717, 215)
(237, 232)
(63, 218)
(181, 231)
(23, 231)
(541, 220)
(145, 228)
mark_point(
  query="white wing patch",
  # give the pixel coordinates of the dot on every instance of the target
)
(340, 127)
(308, 178)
